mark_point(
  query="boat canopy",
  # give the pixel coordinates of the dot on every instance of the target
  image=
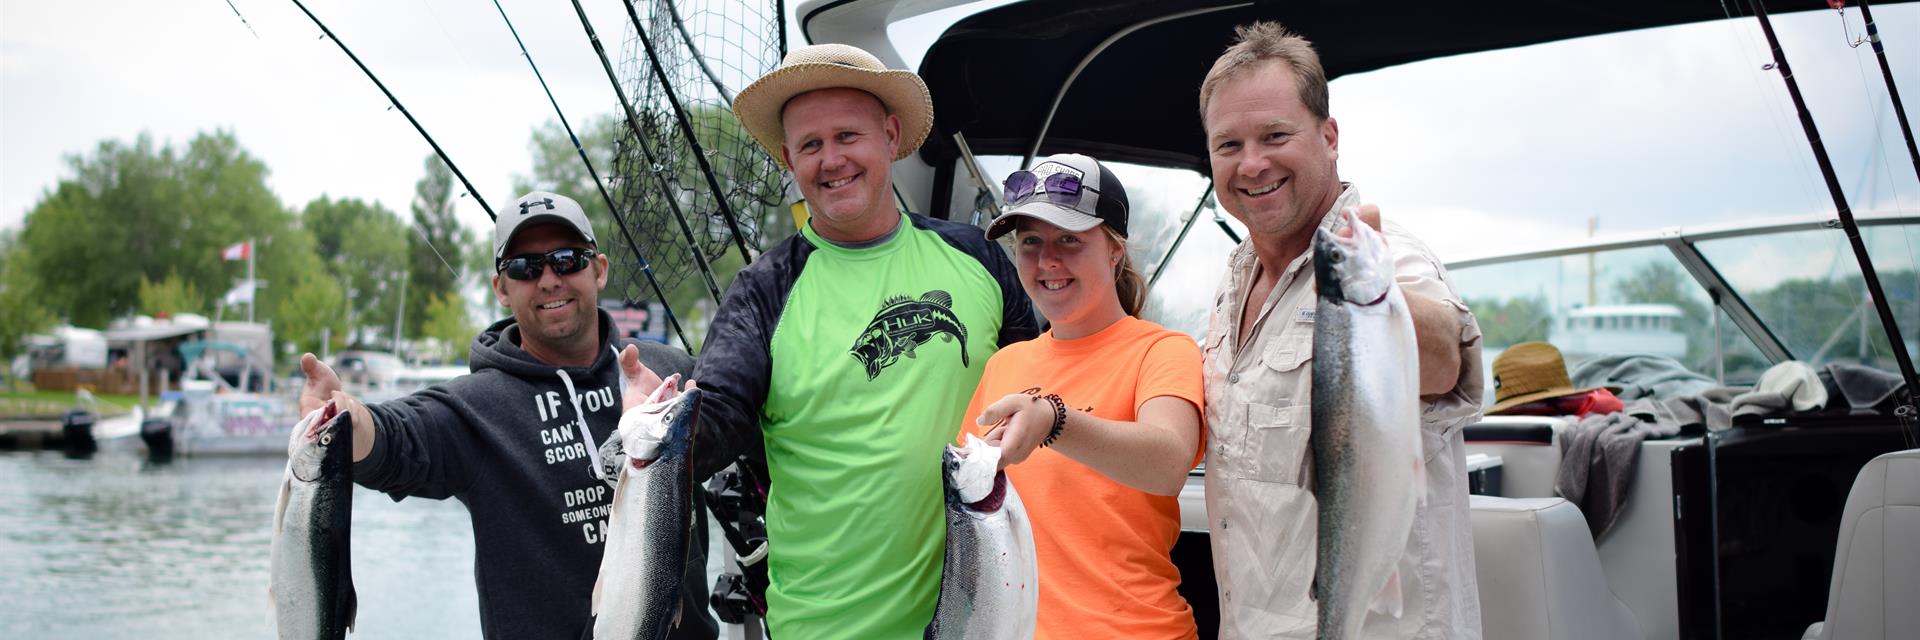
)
(1119, 80)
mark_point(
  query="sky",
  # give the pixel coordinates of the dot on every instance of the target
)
(1477, 154)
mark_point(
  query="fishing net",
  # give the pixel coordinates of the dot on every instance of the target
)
(695, 192)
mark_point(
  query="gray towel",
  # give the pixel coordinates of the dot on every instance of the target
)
(1597, 458)
(1641, 376)
(1788, 387)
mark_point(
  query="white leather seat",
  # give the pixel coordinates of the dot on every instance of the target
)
(1875, 591)
(1529, 462)
(1540, 577)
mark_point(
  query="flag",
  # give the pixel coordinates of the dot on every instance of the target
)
(240, 294)
(237, 252)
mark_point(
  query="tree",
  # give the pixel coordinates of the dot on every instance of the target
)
(1510, 321)
(1662, 283)
(314, 305)
(20, 312)
(141, 211)
(447, 322)
(170, 297)
(436, 249)
(364, 247)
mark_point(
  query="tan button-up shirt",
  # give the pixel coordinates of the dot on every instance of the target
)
(1260, 505)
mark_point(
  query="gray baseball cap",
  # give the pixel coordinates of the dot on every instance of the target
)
(1070, 191)
(535, 208)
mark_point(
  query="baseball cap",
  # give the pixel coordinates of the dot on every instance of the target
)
(536, 208)
(1070, 191)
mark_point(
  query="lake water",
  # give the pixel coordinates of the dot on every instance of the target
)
(115, 547)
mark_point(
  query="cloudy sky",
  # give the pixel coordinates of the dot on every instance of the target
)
(1515, 148)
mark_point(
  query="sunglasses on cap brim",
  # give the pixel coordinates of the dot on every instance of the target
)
(528, 266)
(1058, 188)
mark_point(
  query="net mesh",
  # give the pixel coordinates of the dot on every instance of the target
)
(688, 199)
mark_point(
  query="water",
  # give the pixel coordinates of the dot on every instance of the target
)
(115, 547)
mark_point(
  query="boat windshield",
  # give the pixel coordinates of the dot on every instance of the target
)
(1629, 135)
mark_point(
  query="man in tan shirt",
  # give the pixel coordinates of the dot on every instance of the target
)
(1273, 150)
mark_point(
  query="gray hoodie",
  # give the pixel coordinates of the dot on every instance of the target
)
(507, 441)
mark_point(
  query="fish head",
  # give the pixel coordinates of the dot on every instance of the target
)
(321, 433)
(660, 427)
(1351, 262)
(973, 477)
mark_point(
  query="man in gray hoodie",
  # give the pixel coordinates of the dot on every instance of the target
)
(519, 440)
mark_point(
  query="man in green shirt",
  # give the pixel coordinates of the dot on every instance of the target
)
(844, 356)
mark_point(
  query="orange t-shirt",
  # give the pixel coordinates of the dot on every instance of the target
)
(1103, 547)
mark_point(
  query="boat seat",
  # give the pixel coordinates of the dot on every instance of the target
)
(1528, 449)
(1540, 577)
(1875, 591)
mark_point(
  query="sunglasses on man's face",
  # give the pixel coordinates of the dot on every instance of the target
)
(564, 261)
(1059, 188)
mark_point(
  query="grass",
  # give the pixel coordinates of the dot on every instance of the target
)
(51, 404)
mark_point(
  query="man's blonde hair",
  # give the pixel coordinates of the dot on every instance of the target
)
(1263, 41)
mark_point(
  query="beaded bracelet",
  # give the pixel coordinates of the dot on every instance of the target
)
(1059, 418)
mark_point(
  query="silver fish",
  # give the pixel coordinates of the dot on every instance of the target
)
(312, 579)
(638, 592)
(989, 584)
(1367, 471)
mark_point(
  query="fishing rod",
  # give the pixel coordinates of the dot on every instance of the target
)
(686, 127)
(403, 109)
(633, 122)
(1893, 93)
(1906, 409)
(619, 220)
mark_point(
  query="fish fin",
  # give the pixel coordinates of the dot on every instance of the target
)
(280, 507)
(352, 606)
(1420, 481)
(936, 296)
(1388, 600)
(593, 607)
(909, 351)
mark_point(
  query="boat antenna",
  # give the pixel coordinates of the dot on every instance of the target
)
(403, 109)
(633, 122)
(597, 183)
(1893, 92)
(1904, 408)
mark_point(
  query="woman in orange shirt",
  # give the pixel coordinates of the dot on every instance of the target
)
(1099, 418)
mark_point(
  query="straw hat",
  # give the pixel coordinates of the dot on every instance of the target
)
(826, 66)
(1527, 372)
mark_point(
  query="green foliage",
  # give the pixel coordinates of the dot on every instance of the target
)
(170, 297)
(315, 305)
(447, 321)
(433, 262)
(1830, 319)
(363, 246)
(139, 211)
(1507, 322)
(20, 312)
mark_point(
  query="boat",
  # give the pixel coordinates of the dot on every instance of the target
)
(1727, 533)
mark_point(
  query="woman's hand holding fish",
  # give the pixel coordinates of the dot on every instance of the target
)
(1024, 422)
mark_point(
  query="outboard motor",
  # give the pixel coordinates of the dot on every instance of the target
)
(157, 433)
(76, 433)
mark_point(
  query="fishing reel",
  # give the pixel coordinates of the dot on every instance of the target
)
(739, 508)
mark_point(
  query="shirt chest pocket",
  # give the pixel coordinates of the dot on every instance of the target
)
(1279, 424)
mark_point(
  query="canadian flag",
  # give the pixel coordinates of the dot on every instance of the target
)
(238, 251)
